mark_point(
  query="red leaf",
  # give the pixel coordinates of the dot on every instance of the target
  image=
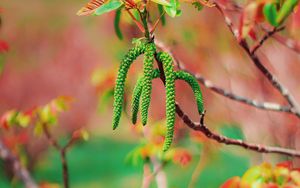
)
(3, 46)
(286, 164)
(252, 34)
(30, 112)
(232, 183)
(182, 157)
(90, 7)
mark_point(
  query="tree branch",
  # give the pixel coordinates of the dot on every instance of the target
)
(62, 151)
(269, 106)
(228, 141)
(272, 79)
(267, 35)
(19, 170)
(290, 43)
(201, 127)
(295, 109)
(208, 84)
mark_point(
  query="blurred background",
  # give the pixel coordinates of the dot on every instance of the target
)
(53, 52)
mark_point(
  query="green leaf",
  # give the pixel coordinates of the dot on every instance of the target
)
(47, 116)
(107, 7)
(38, 129)
(162, 2)
(270, 14)
(105, 99)
(179, 12)
(198, 5)
(45, 113)
(171, 10)
(117, 24)
(1, 63)
(135, 157)
(286, 9)
(161, 12)
(23, 120)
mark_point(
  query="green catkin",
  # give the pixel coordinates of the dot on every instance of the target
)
(137, 91)
(120, 82)
(147, 80)
(166, 59)
(192, 81)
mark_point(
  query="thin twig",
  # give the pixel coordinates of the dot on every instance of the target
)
(272, 79)
(62, 151)
(208, 84)
(295, 109)
(228, 141)
(269, 106)
(289, 43)
(214, 136)
(148, 176)
(202, 162)
(19, 170)
(266, 36)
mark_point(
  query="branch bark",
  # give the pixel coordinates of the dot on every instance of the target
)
(295, 109)
(270, 106)
(62, 151)
(201, 127)
(18, 169)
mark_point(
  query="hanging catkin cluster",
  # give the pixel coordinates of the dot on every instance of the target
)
(143, 87)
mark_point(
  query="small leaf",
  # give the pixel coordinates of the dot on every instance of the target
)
(3, 46)
(270, 14)
(107, 7)
(179, 12)
(135, 157)
(45, 113)
(162, 2)
(61, 103)
(1, 63)
(197, 5)
(90, 7)
(38, 129)
(137, 41)
(81, 134)
(47, 116)
(172, 9)
(23, 120)
(286, 9)
(117, 24)
(247, 19)
(161, 12)
(8, 119)
(106, 97)
(261, 173)
(85, 135)
(233, 182)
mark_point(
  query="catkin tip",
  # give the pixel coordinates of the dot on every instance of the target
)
(115, 126)
(144, 123)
